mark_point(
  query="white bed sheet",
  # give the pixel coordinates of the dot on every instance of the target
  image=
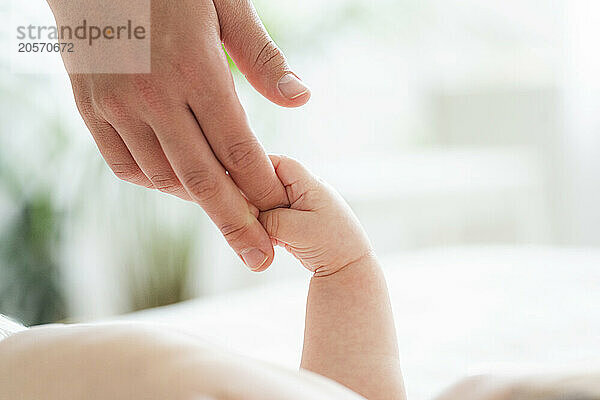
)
(458, 311)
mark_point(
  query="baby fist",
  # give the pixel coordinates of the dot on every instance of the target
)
(319, 228)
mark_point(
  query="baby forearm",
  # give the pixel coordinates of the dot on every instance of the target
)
(350, 335)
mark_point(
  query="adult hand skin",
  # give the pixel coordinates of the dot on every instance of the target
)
(181, 128)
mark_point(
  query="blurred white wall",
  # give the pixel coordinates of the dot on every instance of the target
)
(579, 149)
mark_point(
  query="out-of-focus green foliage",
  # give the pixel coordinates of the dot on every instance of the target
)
(47, 188)
(30, 245)
(158, 265)
(30, 288)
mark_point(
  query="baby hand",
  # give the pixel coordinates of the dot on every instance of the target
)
(319, 228)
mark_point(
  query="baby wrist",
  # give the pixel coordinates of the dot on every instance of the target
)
(364, 260)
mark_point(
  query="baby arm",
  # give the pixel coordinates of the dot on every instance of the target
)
(349, 334)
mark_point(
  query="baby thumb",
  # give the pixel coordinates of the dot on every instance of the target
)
(284, 224)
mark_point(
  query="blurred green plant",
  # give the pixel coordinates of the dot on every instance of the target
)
(158, 267)
(37, 156)
(163, 280)
(30, 288)
(30, 269)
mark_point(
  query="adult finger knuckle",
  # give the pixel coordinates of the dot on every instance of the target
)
(269, 194)
(112, 106)
(86, 108)
(243, 155)
(202, 185)
(166, 182)
(150, 93)
(128, 172)
(234, 231)
(78, 82)
(269, 58)
(186, 70)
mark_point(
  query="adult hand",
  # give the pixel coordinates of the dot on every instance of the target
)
(181, 128)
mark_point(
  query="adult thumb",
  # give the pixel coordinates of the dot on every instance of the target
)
(256, 54)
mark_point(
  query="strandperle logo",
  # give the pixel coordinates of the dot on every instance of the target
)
(83, 31)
